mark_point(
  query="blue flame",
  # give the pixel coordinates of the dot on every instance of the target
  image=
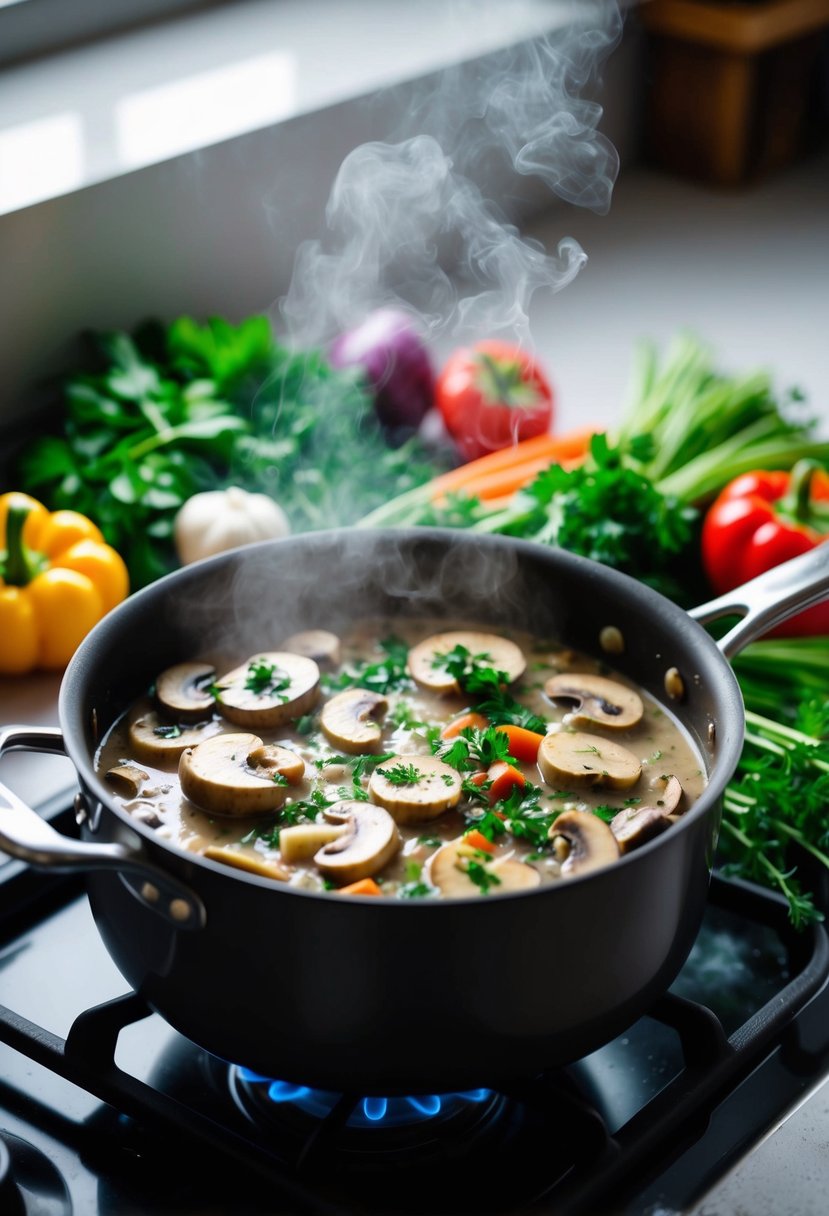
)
(370, 1111)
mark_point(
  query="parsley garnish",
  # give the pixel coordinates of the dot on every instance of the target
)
(265, 678)
(388, 674)
(402, 774)
(482, 877)
(167, 732)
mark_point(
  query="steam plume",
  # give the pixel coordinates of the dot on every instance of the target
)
(409, 225)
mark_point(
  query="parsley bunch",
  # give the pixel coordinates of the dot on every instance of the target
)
(775, 808)
(159, 414)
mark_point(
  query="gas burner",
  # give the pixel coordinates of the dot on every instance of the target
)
(415, 1125)
(29, 1181)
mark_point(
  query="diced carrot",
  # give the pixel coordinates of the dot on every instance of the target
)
(470, 721)
(478, 778)
(365, 886)
(479, 841)
(523, 743)
(542, 449)
(504, 778)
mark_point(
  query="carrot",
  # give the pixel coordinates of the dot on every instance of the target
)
(479, 841)
(523, 743)
(505, 483)
(365, 886)
(478, 778)
(470, 721)
(504, 778)
(541, 450)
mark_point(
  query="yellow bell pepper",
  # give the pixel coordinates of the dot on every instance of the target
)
(58, 578)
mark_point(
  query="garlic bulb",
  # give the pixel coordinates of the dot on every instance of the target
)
(216, 520)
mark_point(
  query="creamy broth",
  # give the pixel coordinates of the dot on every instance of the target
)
(482, 845)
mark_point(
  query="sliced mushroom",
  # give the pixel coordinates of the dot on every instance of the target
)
(352, 720)
(578, 759)
(669, 795)
(183, 691)
(415, 788)
(245, 861)
(367, 844)
(154, 740)
(318, 644)
(269, 689)
(238, 775)
(591, 844)
(636, 825)
(598, 702)
(425, 667)
(448, 870)
(127, 779)
(304, 839)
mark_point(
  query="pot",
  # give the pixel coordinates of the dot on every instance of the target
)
(378, 996)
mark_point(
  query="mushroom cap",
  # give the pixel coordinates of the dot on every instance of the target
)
(448, 871)
(352, 720)
(127, 779)
(226, 775)
(182, 691)
(500, 653)
(578, 759)
(367, 845)
(154, 740)
(598, 701)
(294, 692)
(436, 787)
(592, 844)
(635, 825)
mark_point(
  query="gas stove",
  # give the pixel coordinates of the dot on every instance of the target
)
(105, 1108)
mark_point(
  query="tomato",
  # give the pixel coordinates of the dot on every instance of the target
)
(491, 395)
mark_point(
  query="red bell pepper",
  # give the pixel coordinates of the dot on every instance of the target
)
(764, 518)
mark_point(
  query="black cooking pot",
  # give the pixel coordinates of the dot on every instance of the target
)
(382, 995)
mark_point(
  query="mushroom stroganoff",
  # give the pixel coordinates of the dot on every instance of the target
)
(406, 759)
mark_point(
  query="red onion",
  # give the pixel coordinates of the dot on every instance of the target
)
(391, 351)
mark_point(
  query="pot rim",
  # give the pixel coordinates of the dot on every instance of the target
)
(729, 743)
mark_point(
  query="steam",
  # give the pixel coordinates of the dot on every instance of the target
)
(408, 221)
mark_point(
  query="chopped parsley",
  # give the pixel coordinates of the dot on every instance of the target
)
(167, 732)
(402, 774)
(387, 674)
(481, 876)
(266, 679)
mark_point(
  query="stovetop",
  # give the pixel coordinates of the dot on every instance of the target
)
(105, 1108)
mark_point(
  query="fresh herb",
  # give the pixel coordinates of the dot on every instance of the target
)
(279, 779)
(475, 749)
(306, 725)
(264, 678)
(160, 414)
(775, 807)
(402, 774)
(481, 876)
(387, 674)
(167, 732)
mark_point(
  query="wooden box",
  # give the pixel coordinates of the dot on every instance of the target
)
(731, 85)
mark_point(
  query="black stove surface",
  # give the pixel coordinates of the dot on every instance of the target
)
(105, 1108)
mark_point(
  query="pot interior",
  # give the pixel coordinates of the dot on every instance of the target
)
(249, 599)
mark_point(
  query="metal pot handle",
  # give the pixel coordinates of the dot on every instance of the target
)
(770, 599)
(28, 837)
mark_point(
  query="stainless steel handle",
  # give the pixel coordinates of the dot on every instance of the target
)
(770, 599)
(28, 837)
